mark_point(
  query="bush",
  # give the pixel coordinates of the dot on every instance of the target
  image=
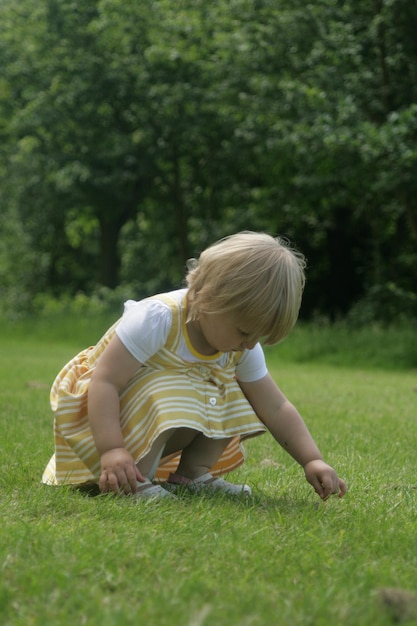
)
(387, 303)
(340, 344)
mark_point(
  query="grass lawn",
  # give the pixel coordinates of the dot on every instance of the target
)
(280, 558)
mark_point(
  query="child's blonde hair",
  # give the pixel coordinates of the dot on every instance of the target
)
(255, 276)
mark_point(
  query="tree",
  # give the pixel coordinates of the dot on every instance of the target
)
(80, 144)
(137, 133)
(343, 149)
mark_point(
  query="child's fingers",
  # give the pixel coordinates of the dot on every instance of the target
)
(119, 472)
(140, 477)
(317, 485)
(103, 482)
(130, 478)
(327, 485)
(330, 486)
(108, 482)
(126, 479)
(118, 480)
(342, 488)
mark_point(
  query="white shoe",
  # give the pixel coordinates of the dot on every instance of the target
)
(150, 491)
(206, 482)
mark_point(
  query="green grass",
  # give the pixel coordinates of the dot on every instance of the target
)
(281, 558)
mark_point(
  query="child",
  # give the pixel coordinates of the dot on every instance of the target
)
(165, 398)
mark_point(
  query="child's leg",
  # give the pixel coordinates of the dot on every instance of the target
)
(193, 472)
(167, 443)
(200, 455)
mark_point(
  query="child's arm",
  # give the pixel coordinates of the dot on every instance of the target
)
(114, 369)
(288, 428)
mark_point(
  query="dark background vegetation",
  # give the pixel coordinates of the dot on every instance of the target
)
(134, 134)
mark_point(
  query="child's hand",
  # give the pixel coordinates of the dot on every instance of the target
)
(119, 472)
(324, 479)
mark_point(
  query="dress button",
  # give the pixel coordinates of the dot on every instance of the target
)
(213, 401)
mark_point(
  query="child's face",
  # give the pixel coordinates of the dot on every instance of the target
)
(225, 333)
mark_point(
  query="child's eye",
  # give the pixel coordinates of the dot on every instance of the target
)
(243, 333)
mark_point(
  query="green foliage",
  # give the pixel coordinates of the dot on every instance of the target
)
(350, 343)
(134, 134)
(385, 303)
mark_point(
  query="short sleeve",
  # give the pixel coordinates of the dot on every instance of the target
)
(252, 365)
(144, 327)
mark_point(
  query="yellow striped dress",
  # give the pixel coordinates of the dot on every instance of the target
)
(167, 392)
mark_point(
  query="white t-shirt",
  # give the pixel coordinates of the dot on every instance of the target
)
(145, 326)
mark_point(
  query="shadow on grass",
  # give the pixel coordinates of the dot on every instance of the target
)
(260, 501)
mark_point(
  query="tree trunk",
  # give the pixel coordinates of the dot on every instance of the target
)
(109, 258)
(180, 210)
